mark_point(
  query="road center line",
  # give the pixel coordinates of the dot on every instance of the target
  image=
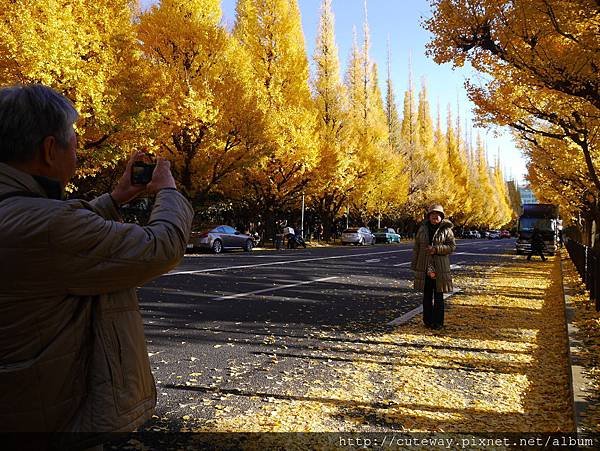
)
(282, 262)
(266, 290)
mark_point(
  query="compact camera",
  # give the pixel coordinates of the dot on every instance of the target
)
(141, 172)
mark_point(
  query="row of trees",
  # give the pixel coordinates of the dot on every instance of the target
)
(239, 114)
(543, 58)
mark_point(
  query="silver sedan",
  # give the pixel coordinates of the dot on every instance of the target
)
(359, 236)
(220, 238)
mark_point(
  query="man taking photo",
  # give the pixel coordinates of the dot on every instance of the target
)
(73, 355)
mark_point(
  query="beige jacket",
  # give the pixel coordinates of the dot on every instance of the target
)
(72, 348)
(444, 243)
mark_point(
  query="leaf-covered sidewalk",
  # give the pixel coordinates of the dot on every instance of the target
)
(500, 365)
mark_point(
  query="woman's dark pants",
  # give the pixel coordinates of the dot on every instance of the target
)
(433, 305)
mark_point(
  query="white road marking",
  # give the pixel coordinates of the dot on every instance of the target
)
(373, 260)
(266, 290)
(407, 316)
(175, 291)
(283, 262)
(414, 312)
(402, 264)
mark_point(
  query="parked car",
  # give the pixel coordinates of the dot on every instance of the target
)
(359, 236)
(493, 235)
(472, 234)
(220, 238)
(386, 235)
(504, 234)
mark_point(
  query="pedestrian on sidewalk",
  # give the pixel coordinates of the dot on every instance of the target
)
(537, 244)
(73, 354)
(434, 242)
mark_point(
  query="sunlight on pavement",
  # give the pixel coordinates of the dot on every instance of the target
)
(499, 365)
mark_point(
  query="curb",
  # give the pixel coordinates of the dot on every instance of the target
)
(414, 312)
(577, 380)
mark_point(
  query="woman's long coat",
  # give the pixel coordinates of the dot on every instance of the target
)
(444, 243)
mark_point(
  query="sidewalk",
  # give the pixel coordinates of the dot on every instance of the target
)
(500, 365)
(584, 338)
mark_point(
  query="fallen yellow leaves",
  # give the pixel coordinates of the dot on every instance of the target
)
(500, 365)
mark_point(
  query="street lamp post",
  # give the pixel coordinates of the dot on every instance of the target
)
(302, 219)
(347, 216)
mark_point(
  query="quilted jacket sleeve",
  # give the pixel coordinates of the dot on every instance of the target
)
(106, 207)
(94, 255)
(448, 245)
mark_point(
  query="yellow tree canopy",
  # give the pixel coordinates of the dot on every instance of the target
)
(543, 58)
(206, 116)
(375, 187)
(85, 49)
(426, 143)
(271, 33)
(461, 203)
(552, 43)
(505, 212)
(333, 178)
(556, 179)
(418, 175)
(391, 112)
(445, 192)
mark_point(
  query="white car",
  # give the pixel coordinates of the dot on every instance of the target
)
(359, 236)
(494, 235)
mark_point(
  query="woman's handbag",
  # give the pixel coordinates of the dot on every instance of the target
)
(431, 270)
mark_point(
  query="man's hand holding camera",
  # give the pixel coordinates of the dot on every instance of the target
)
(431, 250)
(133, 182)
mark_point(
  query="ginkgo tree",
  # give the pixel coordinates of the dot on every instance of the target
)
(542, 56)
(206, 116)
(85, 49)
(270, 31)
(419, 176)
(460, 202)
(380, 177)
(444, 191)
(333, 178)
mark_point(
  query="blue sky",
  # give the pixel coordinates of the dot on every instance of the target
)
(399, 20)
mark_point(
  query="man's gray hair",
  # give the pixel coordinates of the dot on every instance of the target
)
(28, 114)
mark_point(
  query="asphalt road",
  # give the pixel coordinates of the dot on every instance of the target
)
(227, 332)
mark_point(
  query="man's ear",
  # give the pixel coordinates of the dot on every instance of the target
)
(49, 148)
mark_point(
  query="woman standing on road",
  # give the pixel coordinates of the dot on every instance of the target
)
(434, 242)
